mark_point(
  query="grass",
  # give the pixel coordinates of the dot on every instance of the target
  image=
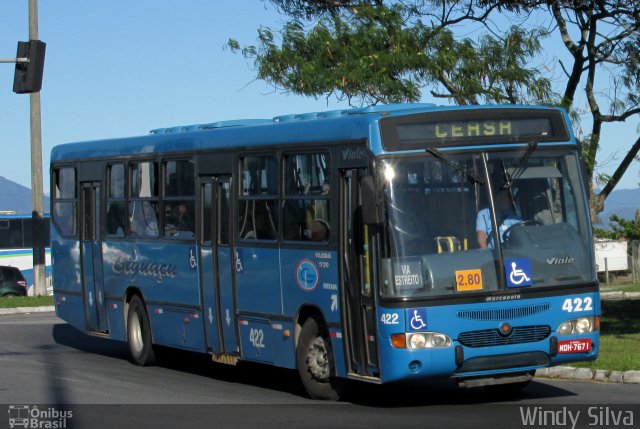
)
(622, 287)
(25, 301)
(619, 337)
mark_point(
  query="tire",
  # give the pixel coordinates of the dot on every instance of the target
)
(314, 358)
(139, 333)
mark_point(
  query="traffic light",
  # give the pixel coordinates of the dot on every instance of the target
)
(28, 75)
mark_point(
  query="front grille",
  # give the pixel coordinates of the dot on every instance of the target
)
(492, 337)
(503, 313)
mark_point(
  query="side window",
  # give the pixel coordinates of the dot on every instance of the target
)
(143, 204)
(12, 234)
(259, 197)
(64, 200)
(224, 195)
(306, 213)
(179, 199)
(116, 202)
(5, 235)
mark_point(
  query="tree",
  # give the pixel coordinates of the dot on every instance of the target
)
(621, 229)
(371, 51)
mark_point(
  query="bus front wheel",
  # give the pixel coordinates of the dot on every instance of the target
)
(314, 358)
(139, 333)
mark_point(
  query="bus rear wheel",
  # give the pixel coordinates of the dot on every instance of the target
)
(139, 333)
(314, 358)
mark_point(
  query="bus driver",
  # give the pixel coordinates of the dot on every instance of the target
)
(505, 215)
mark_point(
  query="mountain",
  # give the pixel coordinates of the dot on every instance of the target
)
(623, 202)
(17, 197)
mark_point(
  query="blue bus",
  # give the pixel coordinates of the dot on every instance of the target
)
(16, 246)
(396, 242)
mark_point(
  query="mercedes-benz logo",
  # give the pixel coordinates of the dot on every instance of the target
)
(505, 329)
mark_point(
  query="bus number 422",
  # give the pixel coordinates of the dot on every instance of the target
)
(573, 305)
(256, 338)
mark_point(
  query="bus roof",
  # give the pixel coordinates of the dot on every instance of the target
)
(313, 127)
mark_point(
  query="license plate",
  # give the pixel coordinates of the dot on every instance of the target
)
(574, 346)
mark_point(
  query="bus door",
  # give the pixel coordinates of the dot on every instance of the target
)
(216, 260)
(358, 295)
(91, 258)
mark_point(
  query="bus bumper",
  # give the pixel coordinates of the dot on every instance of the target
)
(459, 362)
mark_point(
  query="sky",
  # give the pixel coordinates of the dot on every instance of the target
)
(121, 68)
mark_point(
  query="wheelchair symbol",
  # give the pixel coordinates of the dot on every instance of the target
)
(193, 263)
(239, 268)
(416, 321)
(518, 271)
(517, 275)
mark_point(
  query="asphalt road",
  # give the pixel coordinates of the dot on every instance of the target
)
(44, 361)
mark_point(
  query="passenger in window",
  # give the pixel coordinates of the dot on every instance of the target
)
(178, 221)
(185, 222)
(115, 216)
(143, 219)
(505, 215)
(319, 230)
(321, 206)
(316, 221)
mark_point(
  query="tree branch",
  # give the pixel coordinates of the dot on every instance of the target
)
(622, 168)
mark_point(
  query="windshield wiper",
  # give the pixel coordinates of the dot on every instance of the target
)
(517, 172)
(462, 170)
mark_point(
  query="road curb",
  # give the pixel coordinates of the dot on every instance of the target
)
(23, 310)
(619, 295)
(585, 374)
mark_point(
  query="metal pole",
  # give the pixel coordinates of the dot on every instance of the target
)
(606, 271)
(36, 172)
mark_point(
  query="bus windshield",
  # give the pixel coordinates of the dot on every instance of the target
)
(442, 210)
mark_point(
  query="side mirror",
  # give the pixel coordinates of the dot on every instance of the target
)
(372, 202)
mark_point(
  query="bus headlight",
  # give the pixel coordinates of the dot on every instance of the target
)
(440, 340)
(426, 340)
(417, 341)
(581, 325)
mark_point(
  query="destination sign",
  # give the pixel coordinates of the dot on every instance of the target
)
(479, 126)
(526, 127)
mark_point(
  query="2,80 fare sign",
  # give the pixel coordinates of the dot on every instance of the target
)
(468, 280)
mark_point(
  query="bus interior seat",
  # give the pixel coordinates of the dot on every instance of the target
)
(534, 201)
(258, 221)
(265, 227)
(452, 215)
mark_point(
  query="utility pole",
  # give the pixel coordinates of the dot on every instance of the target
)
(37, 197)
(28, 80)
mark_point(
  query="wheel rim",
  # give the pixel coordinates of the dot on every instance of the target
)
(135, 334)
(318, 359)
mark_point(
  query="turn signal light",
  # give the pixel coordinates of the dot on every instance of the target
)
(399, 341)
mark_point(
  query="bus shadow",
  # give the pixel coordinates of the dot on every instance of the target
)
(393, 395)
(245, 372)
(445, 392)
(251, 374)
(69, 336)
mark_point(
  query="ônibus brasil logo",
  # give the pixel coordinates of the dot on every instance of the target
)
(28, 416)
